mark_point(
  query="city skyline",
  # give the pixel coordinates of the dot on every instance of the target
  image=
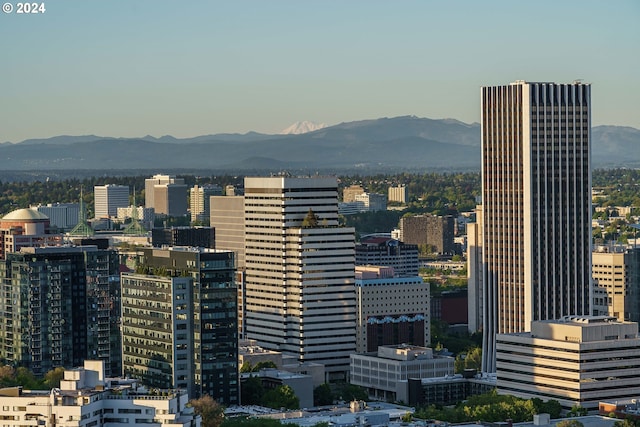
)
(128, 69)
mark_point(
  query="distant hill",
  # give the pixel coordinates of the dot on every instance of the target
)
(386, 145)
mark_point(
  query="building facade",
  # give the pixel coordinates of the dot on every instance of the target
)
(436, 233)
(385, 372)
(63, 216)
(58, 308)
(371, 202)
(389, 252)
(199, 201)
(391, 310)
(179, 322)
(108, 198)
(536, 195)
(616, 273)
(203, 237)
(299, 264)
(166, 194)
(399, 194)
(87, 398)
(576, 360)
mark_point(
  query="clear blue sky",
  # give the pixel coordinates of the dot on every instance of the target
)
(185, 68)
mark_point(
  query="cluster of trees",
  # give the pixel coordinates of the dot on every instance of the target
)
(21, 376)
(326, 394)
(254, 393)
(491, 407)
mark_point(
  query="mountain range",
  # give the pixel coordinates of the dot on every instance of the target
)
(386, 145)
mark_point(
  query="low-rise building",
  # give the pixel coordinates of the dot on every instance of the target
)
(576, 360)
(87, 398)
(384, 374)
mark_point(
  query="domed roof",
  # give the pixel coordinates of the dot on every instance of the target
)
(24, 215)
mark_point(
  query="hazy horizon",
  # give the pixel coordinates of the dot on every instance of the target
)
(136, 68)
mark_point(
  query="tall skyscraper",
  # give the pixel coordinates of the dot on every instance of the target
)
(536, 195)
(179, 322)
(58, 309)
(108, 198)
(299, 291)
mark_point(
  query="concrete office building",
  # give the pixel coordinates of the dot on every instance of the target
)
(349, 193)
(576, 360)
(399, 194)
(389, 252)
(616, 272)
(434, 232)
(384, 373)
(87, 398)
(63, 216)
(475, 272)
(179, 322)
(199, 198)
(390, 310)
(371, 202)
(299, 292)
(146, 216)
(536, 195)
(166, 194)
(227, 218)
(108, 198)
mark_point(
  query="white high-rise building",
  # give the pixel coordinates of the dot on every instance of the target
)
(108, 198)
(536, 195)
(199, 200)
(299, 292)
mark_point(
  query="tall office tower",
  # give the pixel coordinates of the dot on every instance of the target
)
(57, 308)
(108, 198)
(166, 194)
(536, 195)
(199, 198)
(179, 325)
(300, 294)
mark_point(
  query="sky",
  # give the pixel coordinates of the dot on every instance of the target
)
(129, 68)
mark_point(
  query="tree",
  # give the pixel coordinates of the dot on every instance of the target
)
(53, 377)
(625, 423)
(577, 411)
(350, 392)
(311, 220)
(211, 411)
(251, 391)
(322, 395)
(281, 397)
(569, 423)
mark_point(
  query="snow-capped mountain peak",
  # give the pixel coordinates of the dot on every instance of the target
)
(302, 127)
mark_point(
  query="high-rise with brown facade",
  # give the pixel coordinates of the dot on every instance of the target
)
(536, 184)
